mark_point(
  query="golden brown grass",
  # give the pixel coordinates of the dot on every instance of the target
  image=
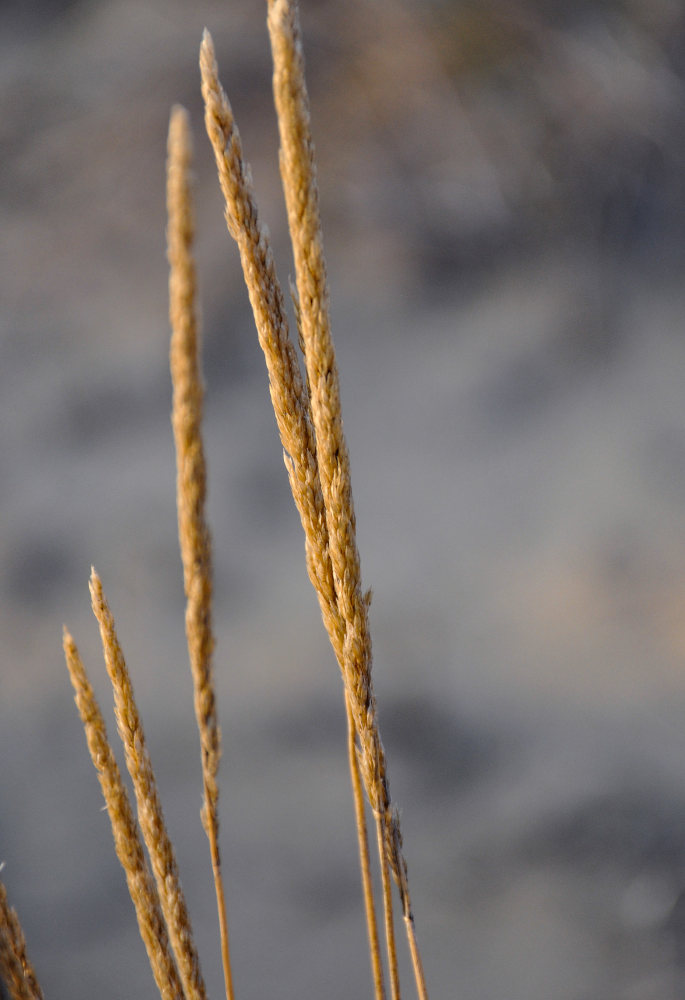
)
(128, 842)
(309, 420)
(298, 172)
(150, 816)
(191, 490)
(15, 969)
(290, 398)
(316, 439)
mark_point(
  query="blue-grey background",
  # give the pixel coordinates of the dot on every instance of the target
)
(503, 202)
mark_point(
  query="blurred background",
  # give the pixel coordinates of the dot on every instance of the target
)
(504, 213)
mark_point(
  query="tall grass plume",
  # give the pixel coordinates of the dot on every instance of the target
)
(309, 420)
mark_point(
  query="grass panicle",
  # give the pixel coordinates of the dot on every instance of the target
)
(336, 543)
(290, 398)
(298, 172)
(150, 816)
(16, 971)
(309, 420)
(287, 389)
(128, 842)
(191, 489)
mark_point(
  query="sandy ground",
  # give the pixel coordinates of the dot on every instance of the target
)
(504, 220)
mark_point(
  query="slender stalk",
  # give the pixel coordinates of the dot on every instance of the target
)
(150, 817)
(386, 885)
(193, 532)
(416, 957)
(127, 840)
(364, 861)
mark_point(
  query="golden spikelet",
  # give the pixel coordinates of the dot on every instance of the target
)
(191, 489)
(301, 195)
(127, 840)
(16, 972)
(289, 396)
(193, 532)
(298, 173)
(316, 451)
(288, 392)
(150, 817)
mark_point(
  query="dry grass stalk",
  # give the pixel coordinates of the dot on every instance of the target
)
(150, 815)
(298, 173)
(310, 425)
(127, 840)
(191, 490)
(301, 195)
(16, 972)
(289, 394)
(364, 859)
